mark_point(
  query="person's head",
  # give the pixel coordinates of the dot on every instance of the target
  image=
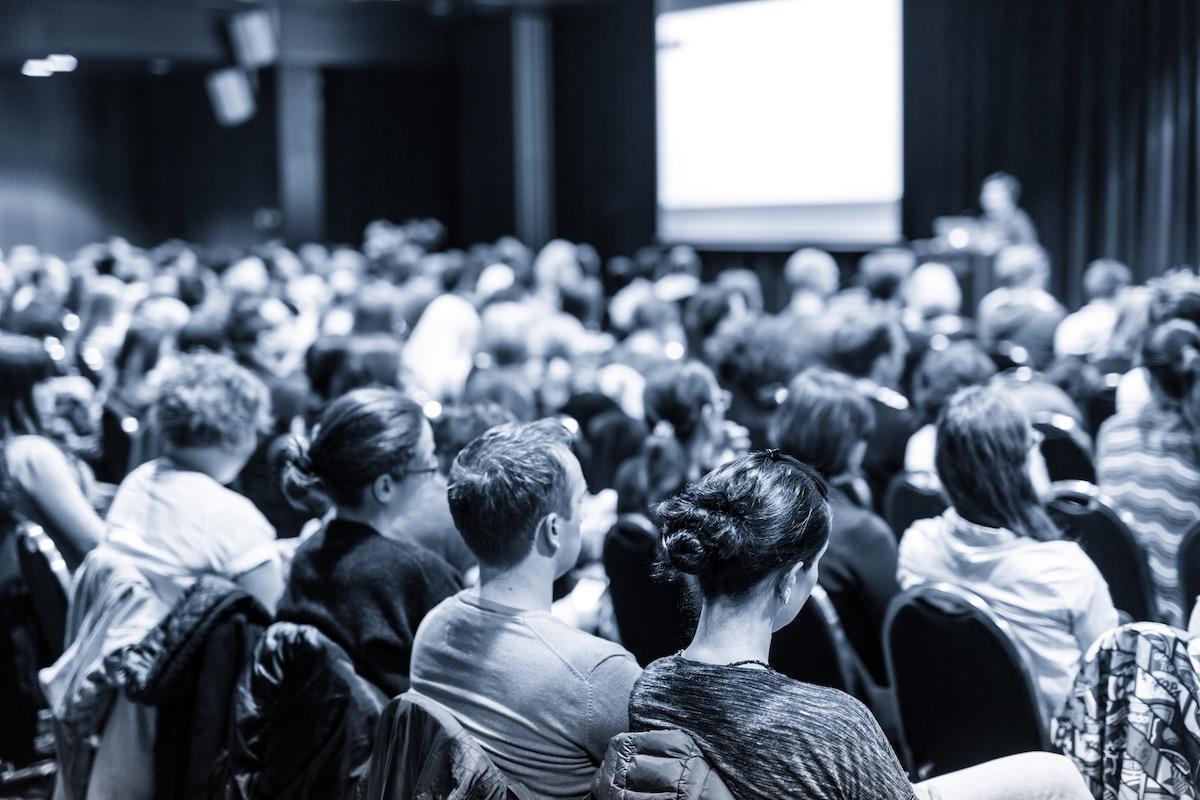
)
(1023, 266)
(376, 310)
(824, 422)
(369, 454)
(751, 531)
(989, 463)
(883, 272)
(211, 412)
(941, 373)
(867, 344)
(515, 494)
(813, 271)
(1171, 354)
(24, 363)
(932, 290)
(504, 332)
(504, 388)
(745, 284)
(683, 401)
(999, 193)
(459, 425)
(140, 351)
(1104, 277)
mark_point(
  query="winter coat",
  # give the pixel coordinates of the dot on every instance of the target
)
(423, 753)
(657, 765)
(304, 720)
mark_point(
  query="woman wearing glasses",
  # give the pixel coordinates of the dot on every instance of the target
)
(361, 580)
(997, 541)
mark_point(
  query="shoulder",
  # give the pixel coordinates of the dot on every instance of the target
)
(586, 654)
(30, 452)
(233, 516)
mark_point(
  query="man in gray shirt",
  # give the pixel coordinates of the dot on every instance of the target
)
(541, 697)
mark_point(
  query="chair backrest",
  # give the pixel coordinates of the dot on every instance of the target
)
(905, 503)
(1065, 448)
(1086, 516)
(1102, 404)
(963, 692)
(813, 647)
(1189, 567)
(49, 584)
(652, 615)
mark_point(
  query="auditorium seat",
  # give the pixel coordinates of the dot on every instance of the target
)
(1086, 516)
(1065, 448)
(813, 647)
(964, 694)
(905, 503)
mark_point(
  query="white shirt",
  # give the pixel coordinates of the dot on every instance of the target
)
(1050, 593)
(919, 458)
(177, 525)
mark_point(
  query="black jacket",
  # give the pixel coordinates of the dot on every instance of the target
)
(305, 721)
(187, 668)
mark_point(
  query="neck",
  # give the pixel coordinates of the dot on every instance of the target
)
(371, 517)
(522, 586)
(730, 632)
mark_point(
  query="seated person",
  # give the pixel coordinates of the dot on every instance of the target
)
(825, 423)
(812, 275)
(997, 541)
(173, 516)
(869, 346)
(932, 314)
(753, 532)
(542, 698)
(1021, 312)
(362, 580)
(939, 376)
(1086, 332)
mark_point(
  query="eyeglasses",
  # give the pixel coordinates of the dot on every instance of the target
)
(421, 471)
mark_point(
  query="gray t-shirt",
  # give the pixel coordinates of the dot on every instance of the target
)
(541, 697)
(769, 736)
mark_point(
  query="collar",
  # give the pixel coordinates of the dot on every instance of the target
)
(975, 534)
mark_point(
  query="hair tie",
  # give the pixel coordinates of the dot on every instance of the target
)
(773, 453)
(664, 428)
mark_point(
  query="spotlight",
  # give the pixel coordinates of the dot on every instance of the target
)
(60, 62)
(36, 68)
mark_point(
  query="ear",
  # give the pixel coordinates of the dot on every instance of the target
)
(547, 533)
(786, 581)
(382, 489)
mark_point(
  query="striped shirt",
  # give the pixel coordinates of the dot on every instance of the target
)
(769, 736)
(1147, 462)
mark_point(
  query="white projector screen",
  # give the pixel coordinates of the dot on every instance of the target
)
(779, 122)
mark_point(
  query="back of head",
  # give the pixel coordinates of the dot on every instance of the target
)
(859, 338)
(503, 387)
(207, 400)
(458, 425)
(883, 272)
(361, 435)
(1171, 354)
(983, 445)
(933, 290)
(24, 362)
(504, 334)
(823, 418)
(1104, 277)
(744, 522)
(1022, 266)
(676, 394)
(504, 483)
(812, 270)
(941, 373)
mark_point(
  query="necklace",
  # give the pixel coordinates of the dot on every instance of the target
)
(762, 664)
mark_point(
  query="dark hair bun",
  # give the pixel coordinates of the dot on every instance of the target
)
(302, 486)
(685, 552)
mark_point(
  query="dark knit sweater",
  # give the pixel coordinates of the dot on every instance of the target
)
(769, 736)
(367, 593)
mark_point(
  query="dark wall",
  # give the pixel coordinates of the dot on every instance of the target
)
(604, 124)
(100, 153)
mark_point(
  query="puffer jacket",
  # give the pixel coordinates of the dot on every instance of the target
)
(305, 720)
(657, 765)
(423, 753)
(1131, 723)
(187, 667)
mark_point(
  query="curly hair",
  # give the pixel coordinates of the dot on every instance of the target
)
(208, 400)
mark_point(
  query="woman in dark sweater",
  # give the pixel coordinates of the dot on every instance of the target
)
(360, 580)
(752, 532)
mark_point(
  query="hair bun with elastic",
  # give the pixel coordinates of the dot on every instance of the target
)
(685, 552)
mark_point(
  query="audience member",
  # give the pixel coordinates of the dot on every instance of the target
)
(1086, 332)
(541, 697)
(1020, 313)
(813, 277)
(997, 542)
(1148, 459)
(825, 423)
(362, 580)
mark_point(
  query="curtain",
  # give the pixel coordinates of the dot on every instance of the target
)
(1092, 104)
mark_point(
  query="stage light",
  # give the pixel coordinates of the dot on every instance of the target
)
(432, 409)
(60, 62)
(36, 68)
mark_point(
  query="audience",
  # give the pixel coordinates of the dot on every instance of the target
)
(363, 581)
(541, 697)
(826, 423)
(997, 542)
